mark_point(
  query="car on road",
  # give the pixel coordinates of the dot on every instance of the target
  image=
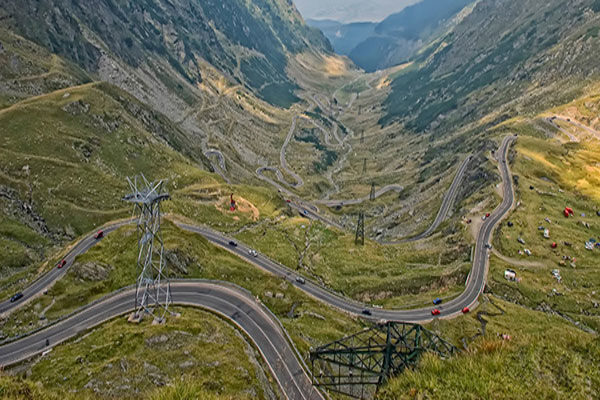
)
(366, 311)
(465, 310)
(16, 297)
(99, 235)
(61, 263)
(300, 280)
(488, 246)
(437, 301)
(288, 201)
(253, 253)
(232, 243)
(435, 311)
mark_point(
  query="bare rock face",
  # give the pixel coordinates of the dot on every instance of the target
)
(77, 108)
(179, 261)
(92, 271)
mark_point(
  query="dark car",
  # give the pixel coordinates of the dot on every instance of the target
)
(437, 301)
(61, 263)
(16, 297)
(366, 311)
(435, 311)
(232, 243)
(99, 235)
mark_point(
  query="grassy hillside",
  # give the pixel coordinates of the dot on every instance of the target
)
(28, 70)
(195, 356)
(65, 158)
(545, 357)
(553, 324)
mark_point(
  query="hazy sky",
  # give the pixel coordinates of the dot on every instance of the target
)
(351, 10)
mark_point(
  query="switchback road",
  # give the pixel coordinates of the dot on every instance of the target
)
(245, 312)
(447, 203)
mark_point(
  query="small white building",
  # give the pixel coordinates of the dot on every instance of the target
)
(510, 275)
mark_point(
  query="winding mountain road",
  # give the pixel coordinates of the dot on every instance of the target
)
(447, 203)
(241, 309)
(231, 303)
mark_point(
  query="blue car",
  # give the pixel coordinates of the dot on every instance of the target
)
(16, 297)
(437, 301)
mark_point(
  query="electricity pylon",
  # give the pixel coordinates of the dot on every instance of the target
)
(360, 229)
(153, 290)
(357, 365)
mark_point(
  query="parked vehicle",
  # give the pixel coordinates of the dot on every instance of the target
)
(16, 297)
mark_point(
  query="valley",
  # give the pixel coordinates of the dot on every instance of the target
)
(272, 146)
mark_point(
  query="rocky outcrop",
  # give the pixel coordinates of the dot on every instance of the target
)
(92, 271)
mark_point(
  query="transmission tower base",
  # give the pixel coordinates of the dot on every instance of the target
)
(135, 318)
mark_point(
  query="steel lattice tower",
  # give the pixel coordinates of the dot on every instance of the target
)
(358, 364)
(153, 290)
(360, 229)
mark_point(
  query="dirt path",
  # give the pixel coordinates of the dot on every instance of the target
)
(517, 262)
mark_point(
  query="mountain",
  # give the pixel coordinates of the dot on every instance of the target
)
(504, 57)
(344, 37)
(250, 42)
(394, 40)
(93, 92)
(348, 11)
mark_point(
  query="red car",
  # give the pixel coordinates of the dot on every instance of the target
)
(487, 215)
(61, 263)
(465, 310)
(99, 235)
(435, 311)
(288, 201)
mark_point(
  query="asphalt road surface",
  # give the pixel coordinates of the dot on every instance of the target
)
(46, 280)
(229, 302)
(447, 203)
(241, 309)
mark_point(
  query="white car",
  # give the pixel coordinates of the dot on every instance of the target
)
(253, 253)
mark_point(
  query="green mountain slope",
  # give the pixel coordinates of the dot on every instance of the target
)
(399, 36)
(250, 41)
(504, 57)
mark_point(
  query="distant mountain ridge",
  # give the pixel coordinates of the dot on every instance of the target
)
(394, 40)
